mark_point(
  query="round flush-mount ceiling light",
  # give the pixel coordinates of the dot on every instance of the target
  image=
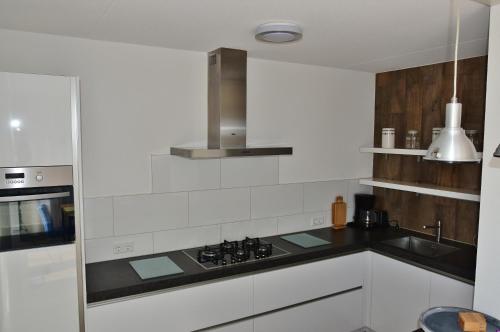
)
(278, 32)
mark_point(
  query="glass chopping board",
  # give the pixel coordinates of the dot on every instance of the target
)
(305, 240)
(155, 267)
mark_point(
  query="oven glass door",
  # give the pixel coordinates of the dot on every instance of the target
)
(33, 217)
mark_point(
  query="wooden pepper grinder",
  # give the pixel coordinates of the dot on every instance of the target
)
(339, 213)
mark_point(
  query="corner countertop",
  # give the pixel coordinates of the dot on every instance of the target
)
(116, 279)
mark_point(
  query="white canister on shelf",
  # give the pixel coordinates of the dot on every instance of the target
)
(388, 138)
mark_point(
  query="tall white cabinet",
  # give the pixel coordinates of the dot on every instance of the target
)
(39, 126)
(35, 120)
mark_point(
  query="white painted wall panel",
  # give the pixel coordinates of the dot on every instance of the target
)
(326, 114)
(137, 100)
(487, 293)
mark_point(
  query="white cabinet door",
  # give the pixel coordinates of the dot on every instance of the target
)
(38, 290)
(35, 120)
(449, 292)
(400, 293)
(281, 288)
(180, 310)
(243, 326)
(341, 313)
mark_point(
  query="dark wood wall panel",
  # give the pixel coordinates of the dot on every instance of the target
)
(416, 98)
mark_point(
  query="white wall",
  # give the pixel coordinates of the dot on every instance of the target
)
(138, 101)
(487, 291)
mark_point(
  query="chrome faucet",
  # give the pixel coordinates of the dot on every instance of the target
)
(437, 226)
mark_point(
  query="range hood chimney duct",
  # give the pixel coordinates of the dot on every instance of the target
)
(227, 98)
(227, 115)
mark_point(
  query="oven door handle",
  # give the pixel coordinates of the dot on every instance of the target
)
(33, 197)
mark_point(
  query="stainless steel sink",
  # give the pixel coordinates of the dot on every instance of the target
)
(421, 246)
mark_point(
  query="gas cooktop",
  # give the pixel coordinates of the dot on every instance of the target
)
(234, 252)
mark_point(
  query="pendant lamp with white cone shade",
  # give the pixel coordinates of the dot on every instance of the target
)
(452, 145)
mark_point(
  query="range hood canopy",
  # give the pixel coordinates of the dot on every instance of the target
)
(227, 99)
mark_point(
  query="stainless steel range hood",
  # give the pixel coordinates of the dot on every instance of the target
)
(227, 99)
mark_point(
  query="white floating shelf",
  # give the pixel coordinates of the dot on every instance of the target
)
(407, 152)
(404, 152)
(467, 195)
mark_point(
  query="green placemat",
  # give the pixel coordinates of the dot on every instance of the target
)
(155, 267)
(305, 240)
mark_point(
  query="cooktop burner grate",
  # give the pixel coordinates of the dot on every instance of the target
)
(234, 252)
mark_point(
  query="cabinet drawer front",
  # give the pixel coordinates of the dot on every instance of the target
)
(277, 289)
(449, 292)
(243, 326)
(400, 293)
(339, 313)
(181, 310)
(218, 303)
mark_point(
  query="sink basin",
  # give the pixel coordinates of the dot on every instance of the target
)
(421, 246)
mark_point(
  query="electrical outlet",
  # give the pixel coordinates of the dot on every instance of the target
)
(123, 248)
(318, 220)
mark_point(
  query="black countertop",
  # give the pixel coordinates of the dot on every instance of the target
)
(114, 279)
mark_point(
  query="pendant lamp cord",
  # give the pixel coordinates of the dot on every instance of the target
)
(454, 99)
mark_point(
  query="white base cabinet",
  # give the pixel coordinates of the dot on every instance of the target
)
(400, 292)
(204, 306)
(365, 288)
(180, 310)
(38, 290)
(284, 287)
(341, 313)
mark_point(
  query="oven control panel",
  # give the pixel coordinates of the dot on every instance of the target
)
(29, 177)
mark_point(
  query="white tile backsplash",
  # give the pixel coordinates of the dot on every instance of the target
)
(218, 206)
(97, 250)
(186, 238)
(302, 222)
(150, 213)
(319, 196)
(98, 213)
(177, 220)
(279, 200)
(237, 231)
(172, 174)
(249, 171)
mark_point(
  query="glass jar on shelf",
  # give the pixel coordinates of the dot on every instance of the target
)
(412, 140)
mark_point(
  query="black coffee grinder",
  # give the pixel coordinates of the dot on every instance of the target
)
(365, 216)
(364, 213)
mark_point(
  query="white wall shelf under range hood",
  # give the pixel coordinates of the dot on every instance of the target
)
(424, 189)
(403, 152)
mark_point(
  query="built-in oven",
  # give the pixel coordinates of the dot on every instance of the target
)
(36, 207)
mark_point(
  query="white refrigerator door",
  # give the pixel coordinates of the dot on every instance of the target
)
(38, 290)
(35, 120)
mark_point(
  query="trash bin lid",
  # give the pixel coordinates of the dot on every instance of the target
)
(445, 319)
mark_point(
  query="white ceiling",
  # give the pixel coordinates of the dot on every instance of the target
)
(370, 35)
